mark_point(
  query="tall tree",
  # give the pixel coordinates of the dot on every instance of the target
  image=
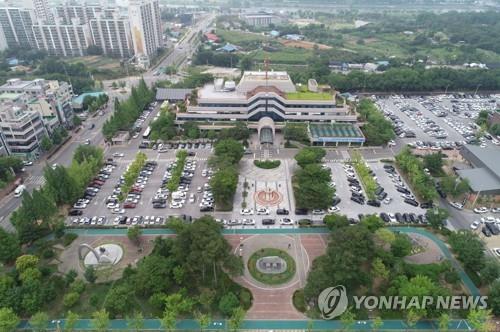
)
(100, 320)
(39, 322)
(8, 320)
(9, 246)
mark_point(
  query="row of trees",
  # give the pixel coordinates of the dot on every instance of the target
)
(227, 154)
(482, 120)
(127, 112)
(311, 182)
(92, 103)
(37, 214)
(174, 181)
(9, 166)
(163, 128)
(55, 138)
(377, 129)
(130, 176)
(413, 168)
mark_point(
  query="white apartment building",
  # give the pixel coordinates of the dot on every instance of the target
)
(145, 25)
(68, 13)
(15, 27)
(260, 19)
(21, 130)
(42, 11)
(49, 98)
(62, 40)
(112, 35)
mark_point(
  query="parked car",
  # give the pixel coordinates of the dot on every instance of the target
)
(268, 221)
(411, 202)
(282, 212)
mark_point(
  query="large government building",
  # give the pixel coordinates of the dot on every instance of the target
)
(266, 101)
(263, 94)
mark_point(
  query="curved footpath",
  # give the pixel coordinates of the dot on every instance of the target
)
(364, 325)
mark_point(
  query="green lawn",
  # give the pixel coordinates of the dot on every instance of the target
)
(238, 37)
(286, 55)
(308, 95)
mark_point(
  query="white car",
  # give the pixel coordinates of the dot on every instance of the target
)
(112, 206)
(333, 209)
(496, 251)
(475, 225)
(495, 210)
(392, 217)
(248, 222)
(262, 211)
(457, 205)
(246, 212)
(387, 200)
(480, 210)
(176, 205)
(318, 212)
(118, 154)
(286, 221)
(118, 211)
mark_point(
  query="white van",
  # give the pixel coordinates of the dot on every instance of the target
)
(19, 190)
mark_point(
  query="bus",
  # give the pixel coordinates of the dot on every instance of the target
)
(147, 132)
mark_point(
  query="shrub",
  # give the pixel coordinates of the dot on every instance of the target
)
(245, 299)
(299, 300)
(267, 164)
(68, 238)
(77, 286)
(48, 253)
(228, 303)
(70, 299)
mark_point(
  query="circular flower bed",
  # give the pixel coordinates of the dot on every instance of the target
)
(271, 278)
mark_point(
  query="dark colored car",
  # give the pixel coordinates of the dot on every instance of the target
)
(210, 208)
(301, 222)
(282, 212)
(159, 205)
(441, 193)
(402, 190)
(269, 221)
(336, 201)
(382, 196)
(411, 202)
(413, 218)
(486, 231)
(384, 216)
(301, 212)
(129, 205)
(427, 205)
(379, 190)
(75, 212)
(399, 217)
(357, 200)
(373, 202)
(493, 228)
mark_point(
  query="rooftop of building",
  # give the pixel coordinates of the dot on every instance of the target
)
(326, 131)
(490, 157)
(10, 96)
(480, 179)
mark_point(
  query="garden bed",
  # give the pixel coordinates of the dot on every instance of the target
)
(271, 278)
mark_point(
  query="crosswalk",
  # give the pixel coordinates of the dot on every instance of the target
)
(266, 154)
(36, 181)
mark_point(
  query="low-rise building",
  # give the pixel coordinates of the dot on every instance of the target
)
(260, 19)
(484, 177)
(21, 130)
(49, 98)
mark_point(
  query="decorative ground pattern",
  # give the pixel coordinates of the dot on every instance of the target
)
(268, 197)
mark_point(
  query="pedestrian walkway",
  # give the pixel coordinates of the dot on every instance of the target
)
(35, 180)
(267, 325)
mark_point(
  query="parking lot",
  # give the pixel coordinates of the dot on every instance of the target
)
(353, 209)
(441, 121)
